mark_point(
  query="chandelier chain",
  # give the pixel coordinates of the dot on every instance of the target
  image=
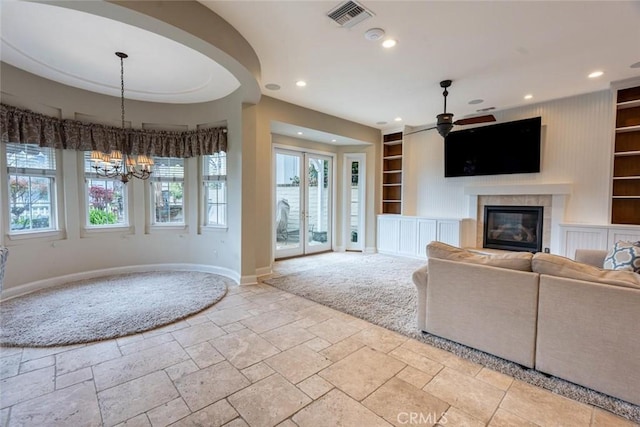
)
(120, 163)
(122, 91)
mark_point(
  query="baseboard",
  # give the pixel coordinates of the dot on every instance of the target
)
(370, 250)
(264, 271)
(339, 249)
(61, 280)
(249, 280)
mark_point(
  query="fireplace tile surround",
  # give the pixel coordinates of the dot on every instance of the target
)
(552, 197)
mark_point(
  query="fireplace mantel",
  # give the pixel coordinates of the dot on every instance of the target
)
(518, 189)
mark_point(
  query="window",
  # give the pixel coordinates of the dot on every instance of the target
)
(168, 189)
(31, 174)
(106, 198)
(214, 177)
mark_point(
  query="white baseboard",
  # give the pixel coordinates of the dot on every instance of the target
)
(60, 280)
(249, 280)
(370, 250)
(339, 249)
(263, 271)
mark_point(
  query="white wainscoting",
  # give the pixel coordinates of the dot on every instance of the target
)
(603, 237)
(409, 235)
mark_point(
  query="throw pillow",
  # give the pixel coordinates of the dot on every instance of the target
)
(512, 260)
(624, 256)
(556, 265)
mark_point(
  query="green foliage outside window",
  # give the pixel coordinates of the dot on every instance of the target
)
(101, 217)
(104, 205)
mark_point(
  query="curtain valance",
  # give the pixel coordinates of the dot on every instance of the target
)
(28, 127)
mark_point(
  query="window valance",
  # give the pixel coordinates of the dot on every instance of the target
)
(28, 127)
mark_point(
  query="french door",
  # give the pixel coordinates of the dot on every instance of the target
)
(303, 197)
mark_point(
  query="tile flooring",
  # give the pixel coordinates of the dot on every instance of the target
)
(263, 357)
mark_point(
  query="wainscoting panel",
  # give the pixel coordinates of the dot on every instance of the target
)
(409, 235)
(408, 239)
(449, 232)
(595, 237)
(388, 232)
(583, 238)
(427, 232)
(626, 234)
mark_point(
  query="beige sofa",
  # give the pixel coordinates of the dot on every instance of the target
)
(562, 317)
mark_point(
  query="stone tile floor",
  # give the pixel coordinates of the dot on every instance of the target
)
(264, 357)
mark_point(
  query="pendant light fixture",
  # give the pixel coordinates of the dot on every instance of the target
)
(120, 164)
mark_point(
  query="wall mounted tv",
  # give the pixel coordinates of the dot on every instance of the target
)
(504, 148)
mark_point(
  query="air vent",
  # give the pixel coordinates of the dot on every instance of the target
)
(349, 14)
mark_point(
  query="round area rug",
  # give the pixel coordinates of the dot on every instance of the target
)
(107, 307)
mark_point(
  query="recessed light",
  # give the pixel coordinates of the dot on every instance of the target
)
(595, 74)
(299, 133)
(476, 101)
(388, 43)
(301, 83)
(398, 119)
(528, 96)
(333, 140)
(636, 65)
(272, 86)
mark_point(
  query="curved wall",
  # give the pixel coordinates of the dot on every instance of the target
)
(76, 250)
(244, 249)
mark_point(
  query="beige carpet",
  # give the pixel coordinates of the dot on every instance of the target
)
(107, 307)
(378, 288)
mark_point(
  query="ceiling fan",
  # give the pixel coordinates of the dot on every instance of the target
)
(445, 121)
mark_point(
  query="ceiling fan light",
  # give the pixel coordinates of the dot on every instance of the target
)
(444, 128)
(444, 124)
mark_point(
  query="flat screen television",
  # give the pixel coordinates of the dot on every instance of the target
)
(504, 148)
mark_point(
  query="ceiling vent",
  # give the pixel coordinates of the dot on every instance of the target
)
(349, 13)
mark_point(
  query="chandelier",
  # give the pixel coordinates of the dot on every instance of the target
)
(120, 164)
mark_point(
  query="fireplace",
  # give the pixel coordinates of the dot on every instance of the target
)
(513, 228)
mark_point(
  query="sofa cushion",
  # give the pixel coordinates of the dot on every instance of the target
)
(556, 265)
(511, 260)
(624, 256)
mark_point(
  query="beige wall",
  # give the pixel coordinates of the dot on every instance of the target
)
(74, 250)
(270, 109)
(372, 191)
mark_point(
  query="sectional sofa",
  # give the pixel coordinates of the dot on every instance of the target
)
(566, 318)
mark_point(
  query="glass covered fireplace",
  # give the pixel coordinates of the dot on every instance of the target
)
(513, 228)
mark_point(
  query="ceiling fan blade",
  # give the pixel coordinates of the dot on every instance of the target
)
(474, 120)
(421, 130)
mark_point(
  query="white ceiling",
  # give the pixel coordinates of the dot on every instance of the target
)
(78, 49)
(492, 50)
(497, 51)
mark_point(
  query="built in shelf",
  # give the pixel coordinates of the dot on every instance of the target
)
(625, 197)
(393, 185)
(393, 142)
(628, 129)
(627, 153)
(393, 157)
(394, 171)
(627, 177)
(628, 104)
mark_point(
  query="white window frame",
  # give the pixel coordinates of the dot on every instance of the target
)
(92, 175)
(155, 178)
(207, 179)
(55, 204)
